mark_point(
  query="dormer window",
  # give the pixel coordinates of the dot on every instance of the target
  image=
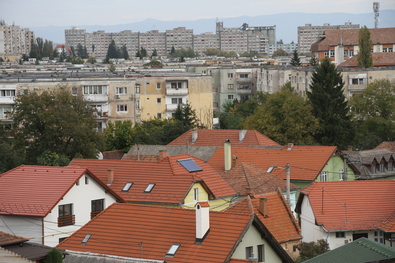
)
(127, 187)
(381, 167)
(373, 169)
(173, 250)
(149, 188)
(390, 167)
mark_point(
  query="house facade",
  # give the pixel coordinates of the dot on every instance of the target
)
(47, 204)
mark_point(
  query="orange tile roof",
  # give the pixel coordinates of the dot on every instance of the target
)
(389, 224)
(35, 190)
(114, 155)
(350, 205)
(8, 239)
(306, 161)
(217, 137)
(172, 180)
(349, 37)
(246, 178)
(387, 145)
(280, 220)
(140, 231)
(379, 60)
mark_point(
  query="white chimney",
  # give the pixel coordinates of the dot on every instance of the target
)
(242, 135)
(194, 135)
(110, 176)
(228, 155)
(202, 221)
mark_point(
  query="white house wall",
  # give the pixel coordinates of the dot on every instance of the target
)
(26, 226)
(80, 196)
(310, 231)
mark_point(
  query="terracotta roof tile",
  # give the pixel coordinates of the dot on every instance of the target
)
(349, 37)
(379, 60)
(35, 190)
(387, 145)
(389, 224)
(247, 179)
(113, 155)
(306, 161)
(217, 137)
(8, 239)
(132, 230)
(172, 180)
(348, 205)
(279, 221)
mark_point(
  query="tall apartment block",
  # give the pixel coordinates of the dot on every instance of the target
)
(309, 34)
(239, 40)
(14, 41)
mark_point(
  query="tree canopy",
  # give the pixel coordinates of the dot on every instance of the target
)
(55, 121)
(279, 53)
(295, 60)
(330, 106)
(364, 55)
(311, 249)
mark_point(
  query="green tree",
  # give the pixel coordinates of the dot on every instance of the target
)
(49, 158)
(154, 53)
(10, 156)
(124, 52)
(313, 61)
(285, 117)
(295, 60)
(374, 111)
(119, 135)
(311, 249)
(279, 53)
(153, 63)
(82, 51)
(250, 54)
(112, 51)
(111, 67)
(172, 51)
(330, 106)
(56, 121)
(364, 56)
(54, 256)
(187, 116)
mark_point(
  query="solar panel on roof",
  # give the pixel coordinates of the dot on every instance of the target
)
(190, 165)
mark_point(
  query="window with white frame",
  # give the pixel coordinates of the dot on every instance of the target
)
(249, 252)
(138, 104)
(5, 112)
(176, 100)
(121, 90)
(158, 85)
(7, 93)
(94, 89)
(122, 107)
(324, 176)
(378, 236)
(326, 53)
(230, 75)
(230, 86)
(244, 76)
(230, 97)
(332, 53)
(137, 88)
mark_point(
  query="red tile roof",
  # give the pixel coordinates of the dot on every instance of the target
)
(349, 37)
(172, 180)
(35, 190)
(248, 179)
(306, 161)
(279, 221)
(389, 224)
(379, 60)
(349, 205)
(8, 239)
(132, 230)
(217, 137)
(113, 155)
(387, 145)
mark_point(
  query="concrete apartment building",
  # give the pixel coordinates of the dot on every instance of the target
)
(309, 34)
(239, 40)
(289, 48)
(135, 97)
(14, 41)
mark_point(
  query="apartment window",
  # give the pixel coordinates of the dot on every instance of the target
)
(245, 86)
(122, 108)
(158, 85)
(230, 75)
(158, 100)
(66, 216)
(159, 115)
(324, 176)
(243, 76)
(121, 90)
(138, 104)
(7, 93)
(230, 86)
(196, 194)
(249, 252)
(261, 253)
(176, 85)
(230, 97)
(96, 207)
(176, 100)
(340, 235)
(74, 91)
(332, 53)
(137, 88)
(95, 89)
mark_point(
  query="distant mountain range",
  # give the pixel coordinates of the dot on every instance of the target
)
(286, 24)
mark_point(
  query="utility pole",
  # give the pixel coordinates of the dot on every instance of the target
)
(376, 6)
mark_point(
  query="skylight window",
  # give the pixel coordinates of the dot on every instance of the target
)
(127, 187)
(86, 239)
(173, 250)
(190, 165)
(149, 188)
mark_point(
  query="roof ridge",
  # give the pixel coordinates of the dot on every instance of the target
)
(289, 211)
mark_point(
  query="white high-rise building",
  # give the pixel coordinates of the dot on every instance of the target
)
(14, 40)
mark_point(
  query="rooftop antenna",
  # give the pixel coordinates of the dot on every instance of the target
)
(376, 6)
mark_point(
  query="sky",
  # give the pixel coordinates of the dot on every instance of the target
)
(37, 13)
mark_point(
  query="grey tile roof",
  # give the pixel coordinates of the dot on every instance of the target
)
(86, 257)
(31, 251)
(10, 257)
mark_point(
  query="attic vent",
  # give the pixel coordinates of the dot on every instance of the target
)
(190, 165)
(86, 239)
(173, 250)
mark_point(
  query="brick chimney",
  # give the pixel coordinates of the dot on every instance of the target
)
(234, 161)
(110, 176)
(263, 209)
(162, 154)
(202, 221)
(242, 135)
(228, 155)
(194, 135)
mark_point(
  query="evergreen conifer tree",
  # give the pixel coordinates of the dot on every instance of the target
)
(365, 49)
(330, 106)
(295, 60)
